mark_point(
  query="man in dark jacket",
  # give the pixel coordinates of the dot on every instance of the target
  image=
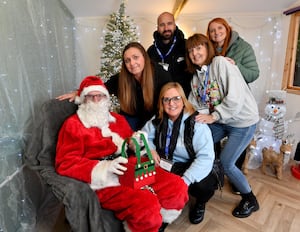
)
(168, 49)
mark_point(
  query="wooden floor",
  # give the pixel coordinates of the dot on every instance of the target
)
(279, 207)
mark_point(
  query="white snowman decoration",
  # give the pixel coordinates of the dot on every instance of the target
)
(271, 127)
(275, 111)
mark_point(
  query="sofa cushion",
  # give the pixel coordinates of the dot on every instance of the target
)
(40, 152)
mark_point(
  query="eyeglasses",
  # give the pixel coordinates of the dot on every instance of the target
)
(167, 100)
(96, 96)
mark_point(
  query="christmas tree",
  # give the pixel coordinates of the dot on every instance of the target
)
(120, 31)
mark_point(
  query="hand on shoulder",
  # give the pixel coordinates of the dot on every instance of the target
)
(71, 96)
(230, 60)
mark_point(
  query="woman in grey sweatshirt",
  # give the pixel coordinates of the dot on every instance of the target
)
(226, 104)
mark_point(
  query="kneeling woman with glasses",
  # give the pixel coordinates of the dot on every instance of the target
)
(183, 147)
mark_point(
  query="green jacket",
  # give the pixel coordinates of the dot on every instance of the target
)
(243, 55)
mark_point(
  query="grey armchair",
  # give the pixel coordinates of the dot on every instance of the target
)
(81, 206)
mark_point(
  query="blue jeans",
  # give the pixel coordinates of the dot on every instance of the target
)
(238, 140)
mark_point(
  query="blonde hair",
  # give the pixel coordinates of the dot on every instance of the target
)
(188, 107)
(127, 87)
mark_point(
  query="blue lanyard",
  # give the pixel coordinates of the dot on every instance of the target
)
(202, 94)
(164, 56)
(168, 140)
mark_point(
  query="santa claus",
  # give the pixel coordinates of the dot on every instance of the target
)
(88, 149)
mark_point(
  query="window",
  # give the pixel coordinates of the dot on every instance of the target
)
(291, 74)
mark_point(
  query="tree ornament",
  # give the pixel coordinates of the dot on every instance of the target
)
(121, 30)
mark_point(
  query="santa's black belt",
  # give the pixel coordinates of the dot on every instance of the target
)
(110, 157)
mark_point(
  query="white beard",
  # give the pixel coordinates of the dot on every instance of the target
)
(94, 114)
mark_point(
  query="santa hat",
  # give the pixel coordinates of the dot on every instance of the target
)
(88, 84)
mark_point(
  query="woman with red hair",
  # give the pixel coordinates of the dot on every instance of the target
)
(228, 43)
(237, 51)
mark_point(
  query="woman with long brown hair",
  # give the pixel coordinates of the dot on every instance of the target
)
(137, 85)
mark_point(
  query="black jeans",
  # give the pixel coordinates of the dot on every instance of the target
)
(202, 190)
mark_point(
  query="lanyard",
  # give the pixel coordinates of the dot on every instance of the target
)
(168, 140)
(164, 56)
(202, 94)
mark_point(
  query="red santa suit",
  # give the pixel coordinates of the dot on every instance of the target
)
(81, 154)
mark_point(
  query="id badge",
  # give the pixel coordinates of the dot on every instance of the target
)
(203, 110)
(165, 66)
(166, 164)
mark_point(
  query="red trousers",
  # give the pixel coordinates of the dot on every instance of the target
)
(141, 208)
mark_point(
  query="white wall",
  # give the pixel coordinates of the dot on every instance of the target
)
(267, 33)
(89, 39)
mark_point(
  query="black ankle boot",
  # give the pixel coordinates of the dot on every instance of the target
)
(247, 206)
(197, 213)
(163, 227)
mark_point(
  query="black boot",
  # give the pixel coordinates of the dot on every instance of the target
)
(247, 206)
(197, 213)
(163, 227)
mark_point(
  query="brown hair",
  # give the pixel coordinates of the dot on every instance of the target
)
(194, 41)
(127, 90)
(188, 107)
(228, 35)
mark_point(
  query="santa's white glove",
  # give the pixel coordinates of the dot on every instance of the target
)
(116, 166)
(105, 173)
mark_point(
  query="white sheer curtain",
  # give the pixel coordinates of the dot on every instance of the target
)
(37, 62)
